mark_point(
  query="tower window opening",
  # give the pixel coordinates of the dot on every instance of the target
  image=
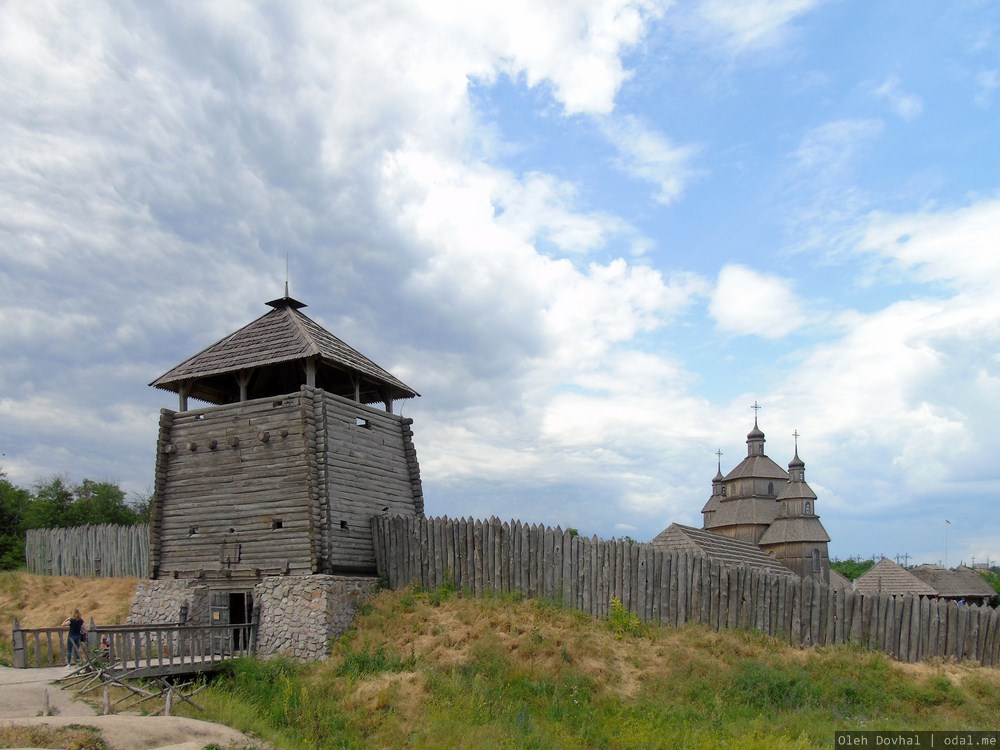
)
(815, 560)
(770, 488)
(809, 508)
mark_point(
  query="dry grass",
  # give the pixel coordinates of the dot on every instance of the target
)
(45, 601)
(73, 737)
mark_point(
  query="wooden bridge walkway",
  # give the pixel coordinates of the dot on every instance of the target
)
(138, 651)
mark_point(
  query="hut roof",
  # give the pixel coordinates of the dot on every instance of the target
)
(958, 583)
(759, 467)
(839, 581)
(786, 530)
(273, 341)
(716, 547)
(886, 577)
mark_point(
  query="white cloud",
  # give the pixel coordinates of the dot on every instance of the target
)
(539, 208)
(958, 247)
(752, 24)
(575, 47)
(651, 157)
(906, 105)
(830, 149)
(747, 302)
(987, 82)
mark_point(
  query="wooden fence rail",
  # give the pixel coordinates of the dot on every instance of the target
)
(138, 649)
(105, 550)
(673, 588)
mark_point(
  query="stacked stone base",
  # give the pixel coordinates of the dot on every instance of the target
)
(169, 602)
(297, 616)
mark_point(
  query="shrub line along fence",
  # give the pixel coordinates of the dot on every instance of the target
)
(106, 550)
(674, 588)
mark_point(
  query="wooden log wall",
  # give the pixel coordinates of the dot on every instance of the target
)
(278, 485)
(369, 466)
(673, 588)
(105, 550)
(233, 490)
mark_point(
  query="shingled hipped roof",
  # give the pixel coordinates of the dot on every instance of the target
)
(733, 552)
(886, 577)
(271, 347)
(959, 583)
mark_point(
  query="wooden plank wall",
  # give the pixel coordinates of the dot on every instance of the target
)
(370, 469)
(673, 588)
(105, 550)
(230, 472)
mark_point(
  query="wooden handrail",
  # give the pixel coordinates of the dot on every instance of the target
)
(162, 645)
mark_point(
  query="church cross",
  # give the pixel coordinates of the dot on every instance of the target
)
(796, 436)
(719, 454)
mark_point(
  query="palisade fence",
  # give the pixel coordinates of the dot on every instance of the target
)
(105, 550)
(673, 588)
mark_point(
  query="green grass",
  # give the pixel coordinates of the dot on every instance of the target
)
(435, 669)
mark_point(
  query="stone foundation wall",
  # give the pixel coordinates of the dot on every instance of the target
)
(299, 616)
(167, 601)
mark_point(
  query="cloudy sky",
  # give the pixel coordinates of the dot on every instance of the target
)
(590, 232)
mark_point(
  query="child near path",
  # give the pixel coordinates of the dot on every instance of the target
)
(76, 635)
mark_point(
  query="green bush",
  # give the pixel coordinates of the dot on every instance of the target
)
(622, 621)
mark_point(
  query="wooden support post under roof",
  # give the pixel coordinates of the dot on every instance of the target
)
(182, 392)
(356, 380)
(243, 378)
(311, 372)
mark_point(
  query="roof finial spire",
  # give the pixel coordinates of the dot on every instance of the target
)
(286, 274)
(796, 436)
(756, 408)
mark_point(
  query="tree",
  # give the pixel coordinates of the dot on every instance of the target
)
(141, 504)
(852, 569)
(56, 503)
(102, 502)
(51, 505)
(13, 504)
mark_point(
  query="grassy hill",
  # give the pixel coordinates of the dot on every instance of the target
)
(434, 669)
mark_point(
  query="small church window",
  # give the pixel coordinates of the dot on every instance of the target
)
(723, 490)
(815, 560)
(809, 508)
(770, 488)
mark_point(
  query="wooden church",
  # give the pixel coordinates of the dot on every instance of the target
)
(282, 470)
(759, 515)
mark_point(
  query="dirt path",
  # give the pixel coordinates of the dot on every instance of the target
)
(22, 701)
(23, 691)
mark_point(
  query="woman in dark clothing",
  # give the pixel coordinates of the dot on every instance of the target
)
(75, 636)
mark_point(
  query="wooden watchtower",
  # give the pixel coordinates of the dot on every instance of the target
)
(281, 473)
